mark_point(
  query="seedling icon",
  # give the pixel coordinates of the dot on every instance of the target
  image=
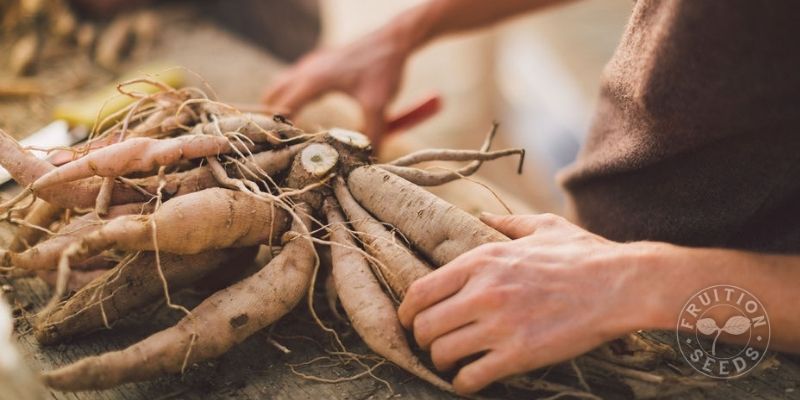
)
(735, 325)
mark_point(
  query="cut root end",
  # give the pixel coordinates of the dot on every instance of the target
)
(319, 159)
(350, 138)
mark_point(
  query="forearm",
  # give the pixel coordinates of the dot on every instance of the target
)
(435, 18)
(668, 276)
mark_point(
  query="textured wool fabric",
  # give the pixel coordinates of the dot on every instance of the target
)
(697, 136)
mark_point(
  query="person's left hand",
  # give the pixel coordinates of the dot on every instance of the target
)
(555, 292)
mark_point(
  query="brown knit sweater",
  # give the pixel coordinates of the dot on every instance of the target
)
(697, 136)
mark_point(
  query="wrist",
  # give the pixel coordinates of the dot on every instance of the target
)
(411, 29)
(656, 276)
(664, 277)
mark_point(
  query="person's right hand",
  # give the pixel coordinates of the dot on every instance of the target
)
(369, 69)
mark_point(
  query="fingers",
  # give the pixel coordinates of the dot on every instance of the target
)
(487, 369)
(517, 226)
(374, 98)
(276, 89)
(293, 96)
(466, 341)
(442, 318)
(374, 123)
(431, 289)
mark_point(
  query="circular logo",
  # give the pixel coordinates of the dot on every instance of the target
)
(723, 313)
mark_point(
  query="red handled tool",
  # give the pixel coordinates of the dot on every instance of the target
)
(415, 115)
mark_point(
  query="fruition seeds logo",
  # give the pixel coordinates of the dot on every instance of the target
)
(723, 313)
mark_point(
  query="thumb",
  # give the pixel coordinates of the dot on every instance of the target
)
(293, 98)
(513, 226)
(373, 100)
(374, 123)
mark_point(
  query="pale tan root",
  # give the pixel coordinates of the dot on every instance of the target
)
(217, 324)
(45, 255)
(210, 219)
(269, 163)
(132, 284)
(426, 155)
(259, 166)
(435, 227)
(25, 168)
(435, 178)
(371, 311)
(136, 155)
(432, 177)
(258, 128)
(397, 264)
(41, 215)
(103, 201)
(82, 193)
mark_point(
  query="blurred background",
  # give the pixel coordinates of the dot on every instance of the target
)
(538, 75)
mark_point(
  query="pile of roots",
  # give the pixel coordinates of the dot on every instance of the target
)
(40, 31)
(179, 186)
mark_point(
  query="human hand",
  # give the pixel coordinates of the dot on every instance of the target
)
(369, 70)
(553, 293)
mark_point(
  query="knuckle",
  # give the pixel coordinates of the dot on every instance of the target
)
(492, 250)
(415, 291)
(508, 292)
(495, 297)
(491, 298)
(548, 219)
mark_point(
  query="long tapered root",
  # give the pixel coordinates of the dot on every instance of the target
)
(433, 177)
(371, 311)
(140, 155)
(229, 219)
(398, 265)
(438, 229)
(45, 255)
(133, 283)
(221, 321)
(255, 127)
(454, 155)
